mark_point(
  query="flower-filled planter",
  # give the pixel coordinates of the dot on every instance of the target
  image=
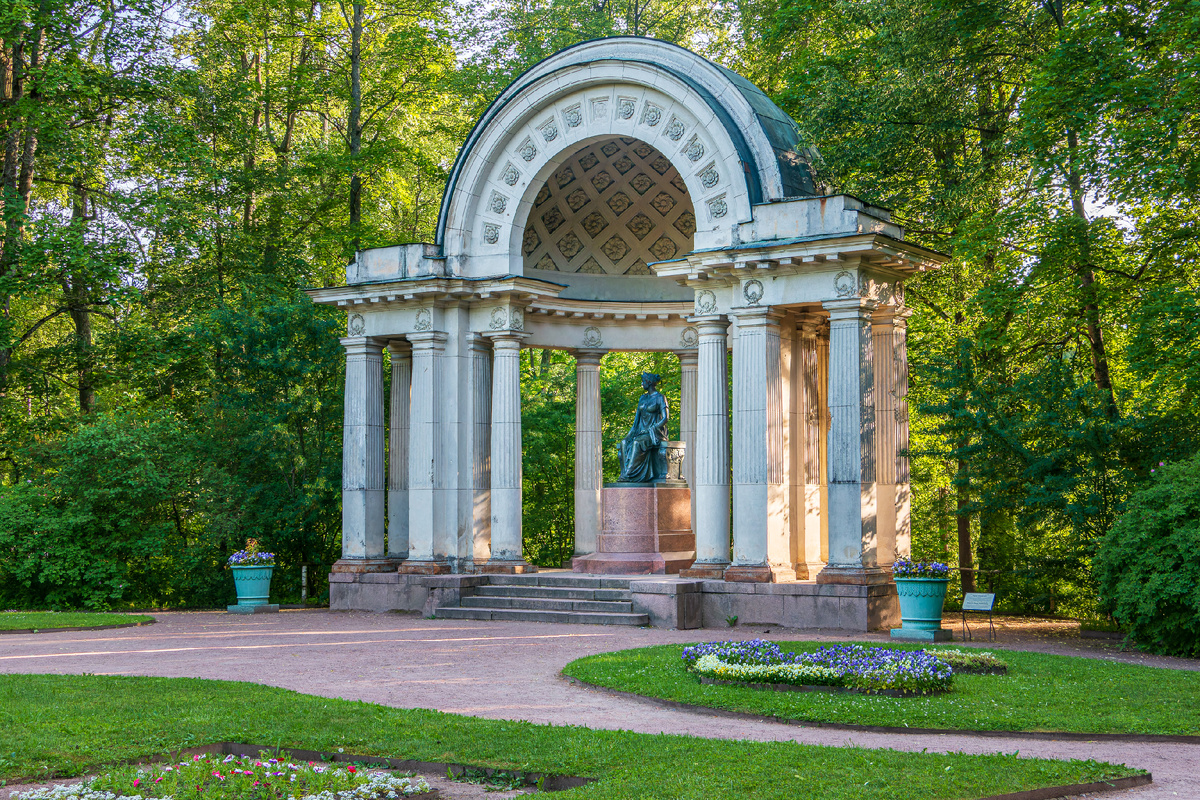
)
(759, 664)
(252, 579)
(921, 587)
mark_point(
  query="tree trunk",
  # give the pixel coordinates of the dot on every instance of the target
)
(354, 125)
(965, 565)
(1087, 287)
(78, 302)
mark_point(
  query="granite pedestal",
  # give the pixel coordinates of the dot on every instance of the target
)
(646, 529)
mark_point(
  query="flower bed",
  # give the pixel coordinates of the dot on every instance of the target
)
(236, 778)
(871, 670)
(970, 662)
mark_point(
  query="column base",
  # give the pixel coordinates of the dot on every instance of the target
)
(759, 573)
(855, 576)
(708, 570)
(423, 567)
(364, 565)
(498, 567)
(937, 635)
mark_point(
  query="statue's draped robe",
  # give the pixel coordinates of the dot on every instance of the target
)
(640, 445)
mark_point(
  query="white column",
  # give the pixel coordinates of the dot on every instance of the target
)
(903, 488)
(481, 458)
(710, 489)
(589, 474)
(886, 433)
(397, 496)
(362, 451)
(851, 449)
(809, 393)
(760, 512)
(424, 517)
(688, 360)
(506, 454)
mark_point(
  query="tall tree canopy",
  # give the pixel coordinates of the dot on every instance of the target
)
(175, 173)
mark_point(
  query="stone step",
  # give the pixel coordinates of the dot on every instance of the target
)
(544, 604)
(522, 615)
(553, 593)
(567, 581)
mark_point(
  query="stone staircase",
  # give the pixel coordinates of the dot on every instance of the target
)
(578, 599)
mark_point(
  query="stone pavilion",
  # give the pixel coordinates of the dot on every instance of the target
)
(627, 194)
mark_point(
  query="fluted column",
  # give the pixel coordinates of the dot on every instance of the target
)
(886, 433)
(809, 393)
(853, 499)
(710, 454)
(481, 449)
(760, 507)
(903, 488)
(506, 454)
(397, 496)
(424, 517)
(362, 457)
(688, 360)
(589, 476)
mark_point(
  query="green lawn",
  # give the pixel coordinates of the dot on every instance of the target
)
(47, 620)
(60, 725)
(1040, 693)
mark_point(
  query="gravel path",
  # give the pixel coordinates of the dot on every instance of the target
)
(506, 670)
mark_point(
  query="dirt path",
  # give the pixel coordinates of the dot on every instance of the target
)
(510, 671)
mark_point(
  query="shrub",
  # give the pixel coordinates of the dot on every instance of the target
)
(1147, 568)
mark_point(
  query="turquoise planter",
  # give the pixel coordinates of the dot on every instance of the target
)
(253, 584)
(921, 602)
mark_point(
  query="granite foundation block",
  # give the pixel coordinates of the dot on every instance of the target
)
(669, 603)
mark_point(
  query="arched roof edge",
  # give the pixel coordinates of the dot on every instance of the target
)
(528, 78)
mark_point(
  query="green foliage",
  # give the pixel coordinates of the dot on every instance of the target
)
(548, 458)
(1147, 566)
(101, 515)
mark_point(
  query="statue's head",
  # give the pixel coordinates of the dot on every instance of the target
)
(650, 380)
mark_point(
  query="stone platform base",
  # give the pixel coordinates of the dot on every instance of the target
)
(939, 635)
(669, 601)
(266, 608)
(506, 568)
(646, 529)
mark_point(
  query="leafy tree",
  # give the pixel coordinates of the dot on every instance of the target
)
(1147, 568)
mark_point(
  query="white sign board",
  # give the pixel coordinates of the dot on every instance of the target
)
(978, 601)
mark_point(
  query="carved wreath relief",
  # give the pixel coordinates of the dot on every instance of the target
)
(689, 337)
(706, 302)
(752, 290)
(592, 337)
(424, 320)
(506, 318)
(844, 284)
(357, 325)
